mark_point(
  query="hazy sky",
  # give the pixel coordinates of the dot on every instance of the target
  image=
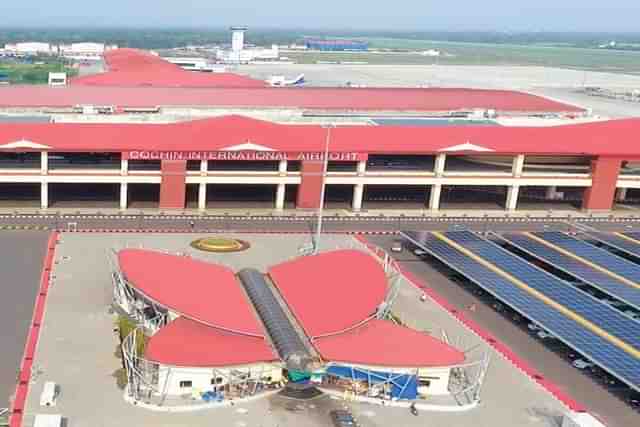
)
(554, 15)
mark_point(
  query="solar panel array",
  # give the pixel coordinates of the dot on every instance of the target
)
(590, 308)
(612, 358)
(576, 268)
(601, 257)
(617, 242)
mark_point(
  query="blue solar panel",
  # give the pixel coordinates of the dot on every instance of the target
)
(617, 242)
(601, 257)
(577, 269)
(610, 357)
(597, 312)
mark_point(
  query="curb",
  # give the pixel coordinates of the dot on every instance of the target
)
(24, 378)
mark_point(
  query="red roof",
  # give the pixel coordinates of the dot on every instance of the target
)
(332, 291)
(382, 343)
(185, 342)
(135, 68)
(306, 98)
(614, 137)
(201, 291)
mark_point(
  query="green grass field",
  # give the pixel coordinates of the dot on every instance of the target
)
(20, 73)
(458, 53)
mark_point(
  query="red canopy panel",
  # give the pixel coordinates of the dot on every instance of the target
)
(333, 291)
(135, 68)
(204, 292)
(117, 94)
(613, 137)
(187, 343)
(382, 343)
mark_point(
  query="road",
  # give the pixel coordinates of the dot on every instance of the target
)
(552, 364)
(21, 258)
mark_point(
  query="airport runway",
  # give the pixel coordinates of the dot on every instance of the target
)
(583, 388)
(21, 258)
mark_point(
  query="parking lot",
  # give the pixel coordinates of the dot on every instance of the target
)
(601, 394)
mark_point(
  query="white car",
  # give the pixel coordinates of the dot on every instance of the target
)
(582, 364)
(419, 252)
(534, 327)
(396, 248)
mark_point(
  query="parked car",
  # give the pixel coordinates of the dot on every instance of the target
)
(582, 364)
(397, 247)
(534, 327)
(420, 252)
(342, 418)
(542, 334)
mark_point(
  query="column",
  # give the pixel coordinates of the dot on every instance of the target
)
(124, 167)
(604, 180)
(358, 193)
(282, 167)
(434, 197)
(518, 165)
(124, 195)
(280, 192)
(44, 163)
(311, 182)
(204, 167)
(173, 184)
(512, 197)
(202, 195)
(438, 169)
(361, 167)
(44, 195)
(621, 194)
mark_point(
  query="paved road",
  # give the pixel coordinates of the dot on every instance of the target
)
(21, 258)
(267, 223)
(553, 365)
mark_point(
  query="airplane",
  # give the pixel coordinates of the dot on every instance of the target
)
(282, 81)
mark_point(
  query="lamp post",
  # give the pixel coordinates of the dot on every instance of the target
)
(316, 245)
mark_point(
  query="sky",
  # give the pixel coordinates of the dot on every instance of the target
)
(416, 15)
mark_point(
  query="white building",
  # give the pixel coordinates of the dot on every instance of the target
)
(31, 48)
(87, 50)
(239, 55)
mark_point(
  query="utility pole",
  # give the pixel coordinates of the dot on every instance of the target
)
(316, 245)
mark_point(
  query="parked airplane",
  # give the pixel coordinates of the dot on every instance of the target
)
(282, 81)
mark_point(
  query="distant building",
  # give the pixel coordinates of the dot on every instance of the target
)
(240, 55)
(84, 50)
(336, 45)
(31, 48)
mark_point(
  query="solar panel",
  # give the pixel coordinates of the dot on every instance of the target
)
(601, 257)
(576, 268)
(601, 351)
(617, 242)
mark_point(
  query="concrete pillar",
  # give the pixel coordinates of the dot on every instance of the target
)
(551, 192)
(518, 165)
(362, 167)
(358, 194)
(438, 168)
(204, 167)
(512, 197)
(280, 192)
(621, 194)
(124, 167)
(44, 163)
(434, 197)
(202, 196)
(44, 195)
(124, 195)
(282, 167)
(604, 179)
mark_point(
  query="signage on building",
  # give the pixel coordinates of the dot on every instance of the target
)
(239, 155)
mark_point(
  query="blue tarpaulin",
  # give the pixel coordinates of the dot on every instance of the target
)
(403, 386)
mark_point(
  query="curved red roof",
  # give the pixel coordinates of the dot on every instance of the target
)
(382, 343)
(205, 292)
(332, 291)
(185, 342)
(135, 68)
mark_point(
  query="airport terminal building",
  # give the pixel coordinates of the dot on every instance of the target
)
(110, 146)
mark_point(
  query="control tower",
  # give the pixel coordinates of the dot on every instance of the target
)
(237, 38)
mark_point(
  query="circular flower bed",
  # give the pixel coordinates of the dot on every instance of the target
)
(220, 244)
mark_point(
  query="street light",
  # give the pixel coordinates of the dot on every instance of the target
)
(316, 245)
